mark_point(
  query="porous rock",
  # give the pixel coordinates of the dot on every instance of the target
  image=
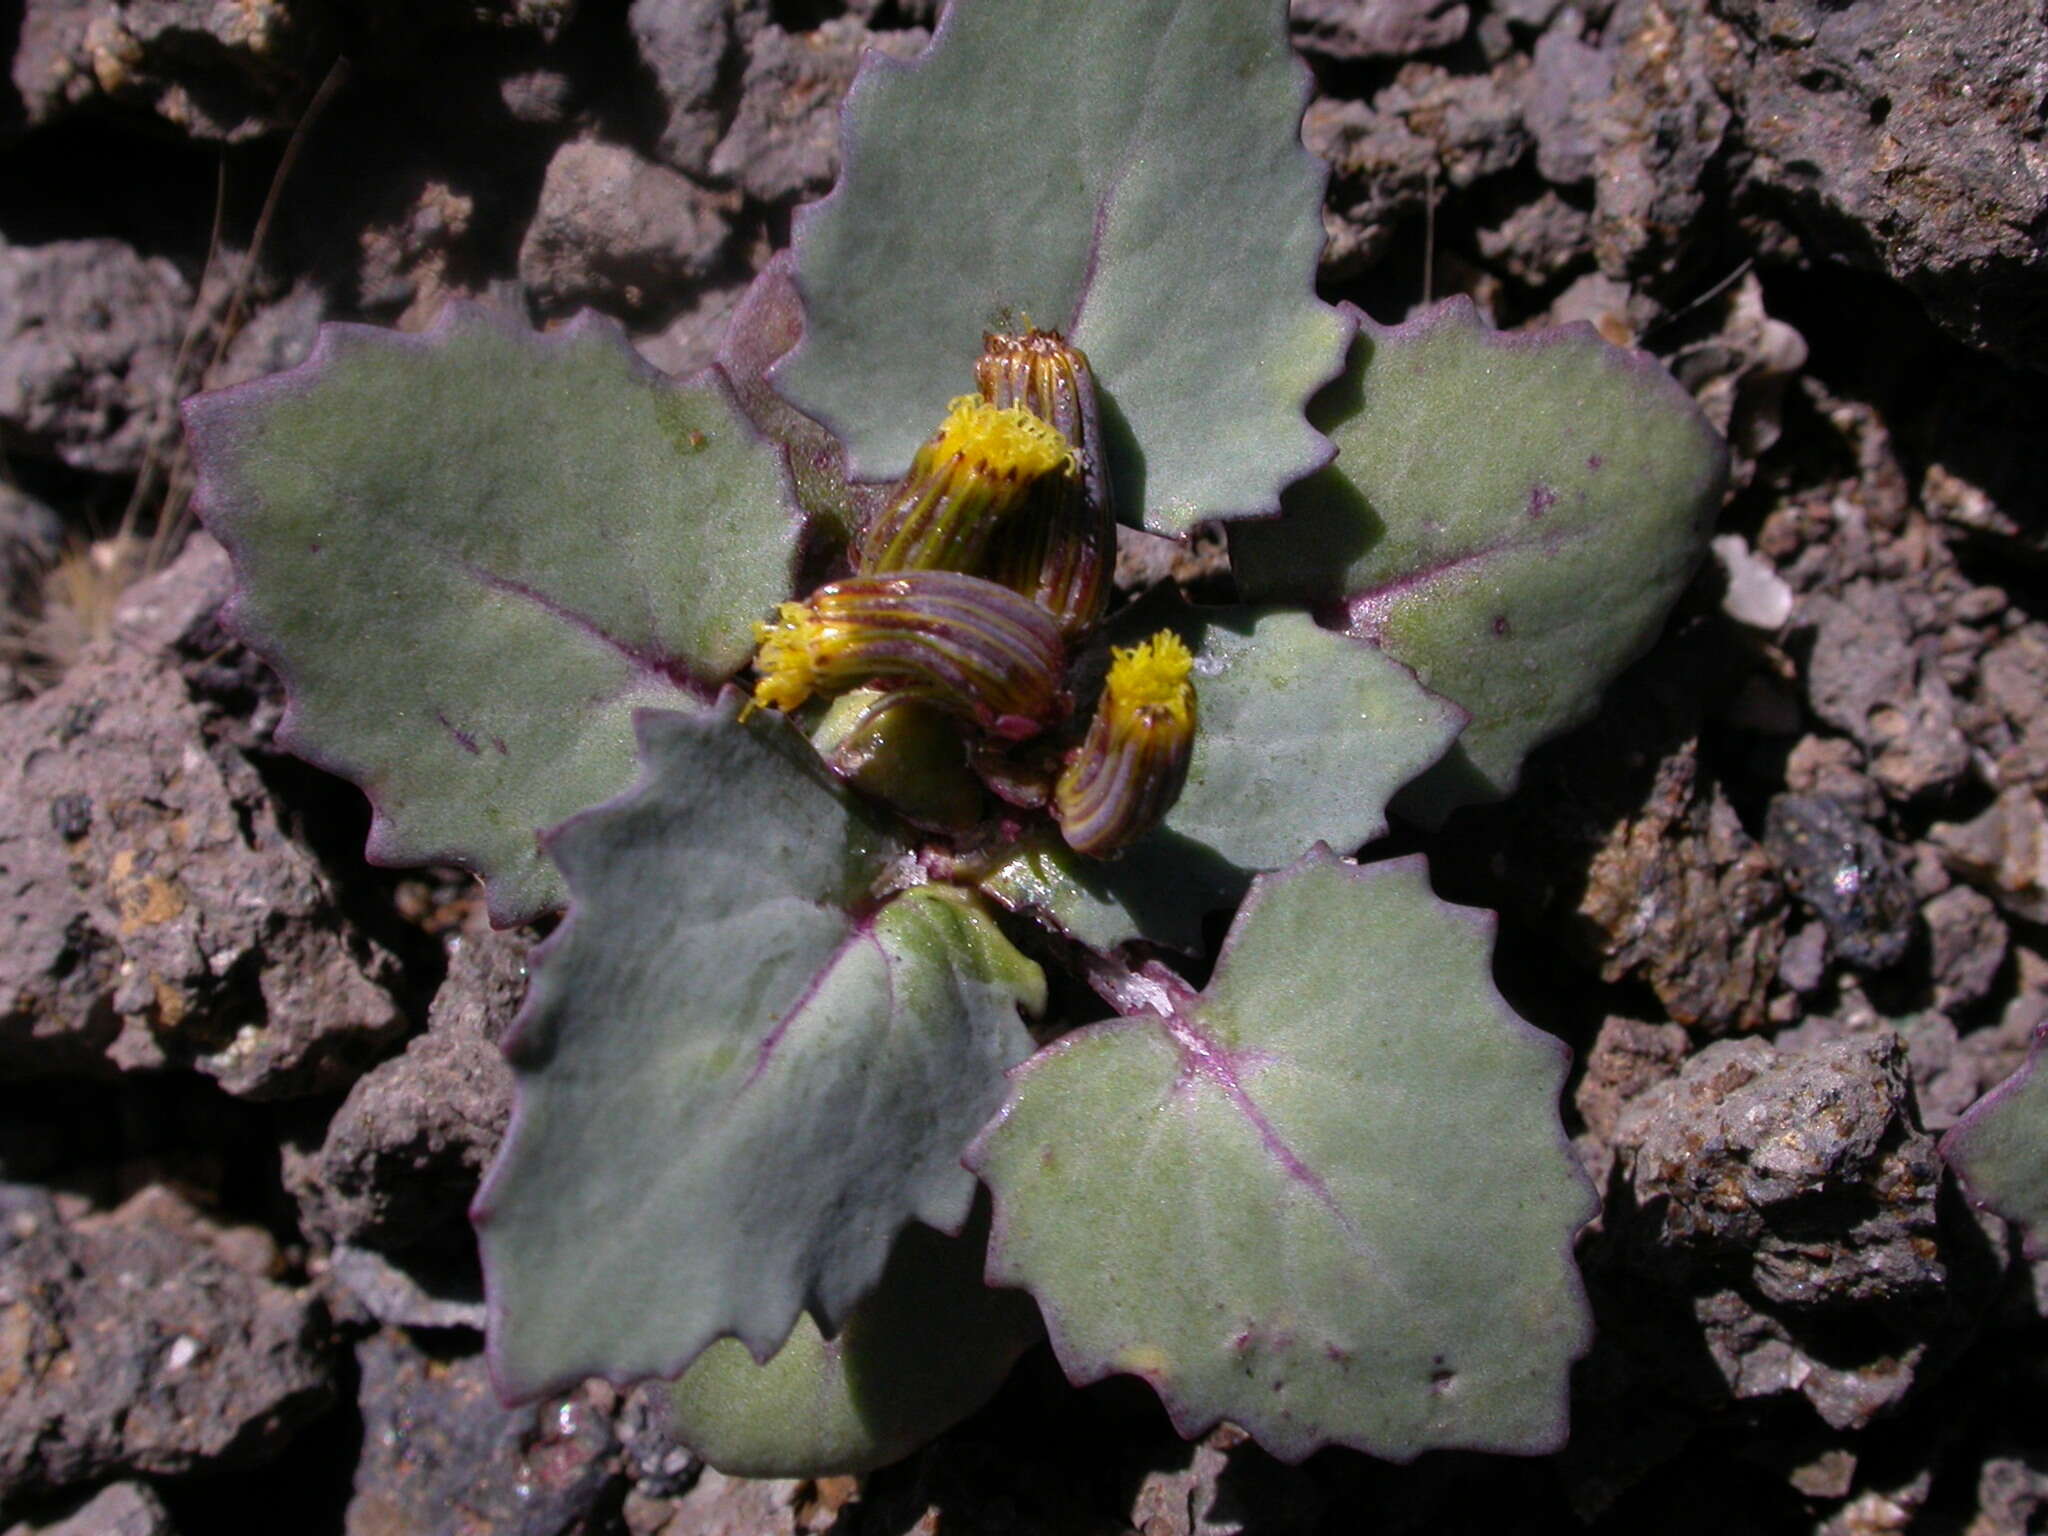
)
(1684, 898)
(142, 1341)
(218, 71)
(89, 334)
(1966, 946)
(1906, 136)
(2003, 851)
(1387, 29)
(30, 538)
(1801, 1172)
(1848, 873)
(403, 1155)
(1426, 129)
(119, 1509)
(1662, 128)
(688, 46)
(618, 231)
(1539, 242)
(1868, 677)
(441, 1455)
(152, 910)
(784, 139)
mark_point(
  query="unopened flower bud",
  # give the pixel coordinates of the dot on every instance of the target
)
(965, 645)
(974, 474)
(1131, 765)
(1060, 549)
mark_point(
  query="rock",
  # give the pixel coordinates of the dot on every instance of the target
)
(1756, 594)
(1684, 898)
(1661, 131)
(2012, 1493)
(1539, 242)
(1803, 1172)
(1569, 80)
(119, 1509)
(403, 1155)
(1227, 1490)
(1867, 677)
(277, 336)
(228, 72)
(31, 537)
(1967, 943)
(89, 335)
(152, 910)
(406, 252)
(1759, 1356)
(784, 140)
(1385, 29)
(1855, 881)
(135, 1342)
(441, 1455)
(1905, 137)
(618, 231)
(2013, 682)
(686, 45)
(690, 341)
(2004, 852)
(1628, 1057)
(1428, 128)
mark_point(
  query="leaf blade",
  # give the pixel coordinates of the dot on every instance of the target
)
(807, 1077)
(1192, 183)
(1292, 1262)
(473, 554)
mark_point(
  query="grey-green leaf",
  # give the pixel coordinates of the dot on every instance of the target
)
(733, 1090)
(929, 1345)
(473, 554)
(1304, 735)
(1328, 1199)
(1999, 1149)
(1511, 514)
(1131, 174)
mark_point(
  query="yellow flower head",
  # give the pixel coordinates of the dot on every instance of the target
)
(790, 657)
(1000, 440)
(1151, 678)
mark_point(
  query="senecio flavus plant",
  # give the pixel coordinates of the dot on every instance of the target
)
(803, 685)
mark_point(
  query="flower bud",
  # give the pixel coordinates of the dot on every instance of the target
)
(971, 478)
(965, 645)
(1131, 765)
(1060, 549)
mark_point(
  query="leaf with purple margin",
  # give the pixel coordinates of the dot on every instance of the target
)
(1999, 1149)
(929, 1345)
(1304, 737)
(1511, 514)
(1131, 174)
(734, 1087)
(1327, 1199)
(473, 554)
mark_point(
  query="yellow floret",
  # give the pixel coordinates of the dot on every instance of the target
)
(1001, 439)
(1152, 676)
(788, 662)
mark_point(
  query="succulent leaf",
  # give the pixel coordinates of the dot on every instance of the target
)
(1332, 1207)
(929, 1345)
(733, 1089)
(1511, 514)
(1999, 1149)
(473, 554)
(1129, 174)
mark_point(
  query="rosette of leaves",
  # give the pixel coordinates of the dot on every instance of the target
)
(781, 1033)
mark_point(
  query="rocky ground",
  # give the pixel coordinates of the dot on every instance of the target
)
(1795, 874)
